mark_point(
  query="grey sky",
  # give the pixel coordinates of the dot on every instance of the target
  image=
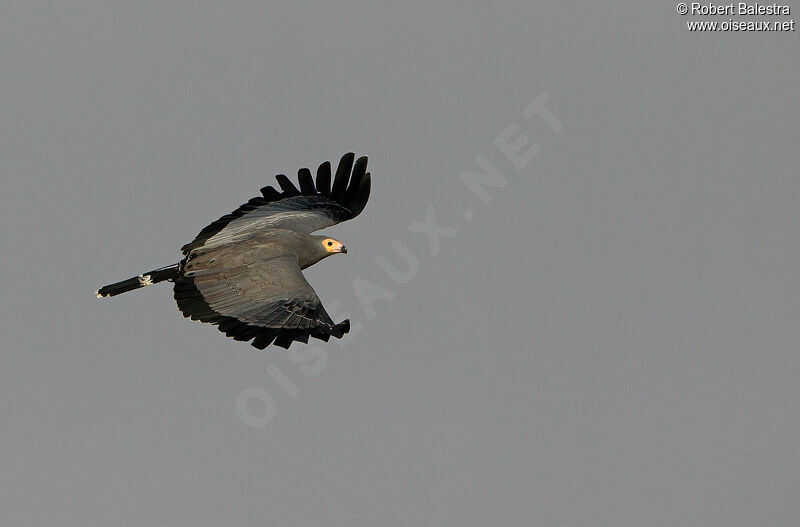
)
(612, 340)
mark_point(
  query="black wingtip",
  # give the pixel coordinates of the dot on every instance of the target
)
(357, 194)
(287, 186)
(284, 339)
(341, 328)
(324, 178)
(263, 339)
(359, 171)
(342, 176)
(270, 193)
(306, 182)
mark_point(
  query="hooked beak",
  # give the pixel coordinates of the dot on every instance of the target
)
(343, 250)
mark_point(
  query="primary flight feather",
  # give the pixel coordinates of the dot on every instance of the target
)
(243, 271)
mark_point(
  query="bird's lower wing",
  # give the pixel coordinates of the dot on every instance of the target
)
(250, 297)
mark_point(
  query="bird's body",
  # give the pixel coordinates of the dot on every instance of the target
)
(243, 271)
(266, 244)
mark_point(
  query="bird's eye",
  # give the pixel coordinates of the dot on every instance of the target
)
(330, 243)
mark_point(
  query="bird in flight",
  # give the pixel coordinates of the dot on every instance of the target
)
(243, 272)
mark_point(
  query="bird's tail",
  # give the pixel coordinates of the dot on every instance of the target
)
(152, 277)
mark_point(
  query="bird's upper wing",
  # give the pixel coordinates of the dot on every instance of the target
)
(312, 207)
(250, 292)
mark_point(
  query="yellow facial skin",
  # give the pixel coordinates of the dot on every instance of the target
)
(334, 246)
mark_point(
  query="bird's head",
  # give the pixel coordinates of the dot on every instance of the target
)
(332, 246)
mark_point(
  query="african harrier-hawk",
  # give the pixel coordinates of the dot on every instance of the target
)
(243, 272)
